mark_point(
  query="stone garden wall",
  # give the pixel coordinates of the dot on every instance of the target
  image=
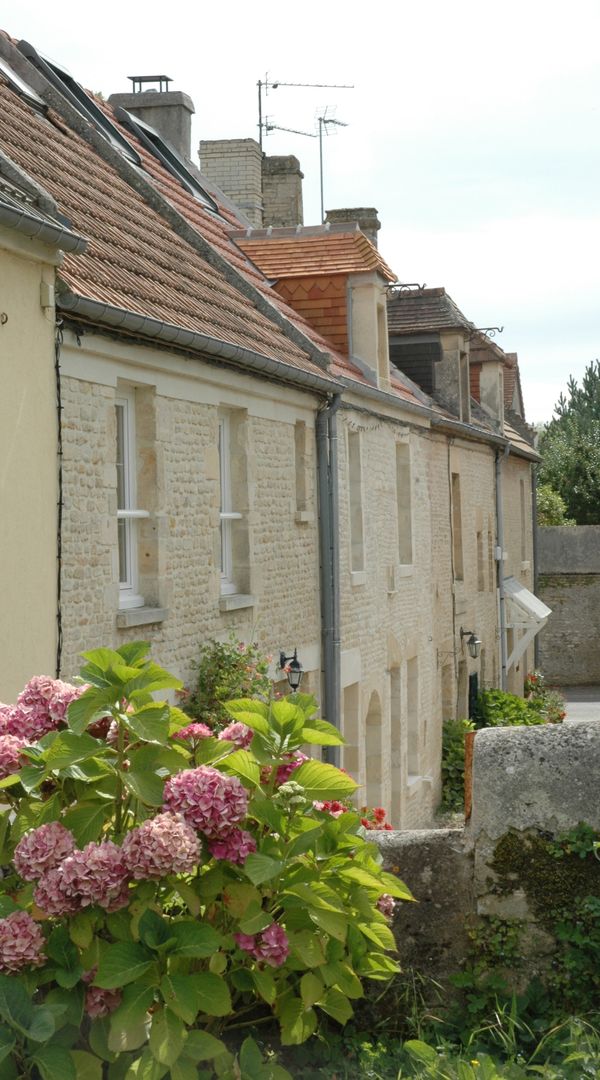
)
(530, 785)
(569, 583)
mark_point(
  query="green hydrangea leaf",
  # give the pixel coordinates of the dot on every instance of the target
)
(122, 963)
(336, 1004)
(213, 993)
(202, 1046)
(87, 1066)
(55, 1063)
(322, 781)
(167, 1036)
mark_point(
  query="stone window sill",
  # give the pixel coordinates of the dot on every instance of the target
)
(141, 616)
(235, 601)
(304, 517)
(405, 570)
(358, 577)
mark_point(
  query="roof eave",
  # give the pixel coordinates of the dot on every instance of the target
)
(108, 315)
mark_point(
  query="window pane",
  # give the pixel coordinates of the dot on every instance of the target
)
(121, 485)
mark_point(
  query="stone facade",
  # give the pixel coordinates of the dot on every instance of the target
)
(178, 482)
(569, 582)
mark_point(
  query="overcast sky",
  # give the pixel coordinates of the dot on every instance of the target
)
(472, 127)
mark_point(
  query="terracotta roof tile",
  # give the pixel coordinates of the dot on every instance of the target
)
(134, 259)
(419, 311)
(281, 253)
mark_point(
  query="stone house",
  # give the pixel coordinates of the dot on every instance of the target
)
(235, 457)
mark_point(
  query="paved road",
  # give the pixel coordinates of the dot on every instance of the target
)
(583, 702)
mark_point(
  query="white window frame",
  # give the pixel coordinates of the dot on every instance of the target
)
(227, 515)
(129, 596)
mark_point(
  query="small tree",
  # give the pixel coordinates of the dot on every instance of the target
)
(551, 509)
(570, 448)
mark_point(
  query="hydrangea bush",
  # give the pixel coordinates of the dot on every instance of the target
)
(163, 886)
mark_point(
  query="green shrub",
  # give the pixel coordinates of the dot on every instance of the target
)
(496, 708)
(162, 887)
(227, 670)
(453, 763)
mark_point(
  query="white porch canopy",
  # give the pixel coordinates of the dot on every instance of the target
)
(525, 612)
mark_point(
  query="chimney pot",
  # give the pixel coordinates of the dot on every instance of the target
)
(168, 111)
(364, 216)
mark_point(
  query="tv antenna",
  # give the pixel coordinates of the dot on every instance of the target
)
(264, 85)
(324, 121)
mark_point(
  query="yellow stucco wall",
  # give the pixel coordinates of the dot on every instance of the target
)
(28, 468)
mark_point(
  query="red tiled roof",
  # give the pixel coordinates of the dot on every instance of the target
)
(134, 259)
(281, 253)
(418, 311)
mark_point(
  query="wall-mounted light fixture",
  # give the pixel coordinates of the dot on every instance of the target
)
(293, 669)
(473, 642)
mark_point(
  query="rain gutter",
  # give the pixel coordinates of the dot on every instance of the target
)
(120, 319)
(35, 228)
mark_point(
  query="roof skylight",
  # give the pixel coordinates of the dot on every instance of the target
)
(167, 155)
(22, 87)
(80, 100)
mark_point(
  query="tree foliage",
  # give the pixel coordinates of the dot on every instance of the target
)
(570, 448)
(551, 507)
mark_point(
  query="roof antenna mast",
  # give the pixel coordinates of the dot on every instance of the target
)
(264, 85)
(324, 121)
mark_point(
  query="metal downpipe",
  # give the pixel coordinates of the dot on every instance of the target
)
(328, 500)
(500, 566)
(535, 552)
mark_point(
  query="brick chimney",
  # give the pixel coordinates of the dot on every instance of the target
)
(234, 165)
(282, 191)
(168, 111)
(366, 216)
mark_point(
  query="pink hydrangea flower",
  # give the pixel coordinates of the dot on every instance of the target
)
(4, 714)
(41, 707)
(21, 942)
(100, 1002)
(209, 800)
(273, 946)
(41, 849)
(163, 845)
(51, 896)
(234, 845)
(246, 942)
(285, 771)
(193, 732)
(96, 875)
(10, 754)
(240, 734)
(386, 905)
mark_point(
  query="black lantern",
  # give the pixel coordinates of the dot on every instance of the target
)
(293, 669)
(473, 642)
